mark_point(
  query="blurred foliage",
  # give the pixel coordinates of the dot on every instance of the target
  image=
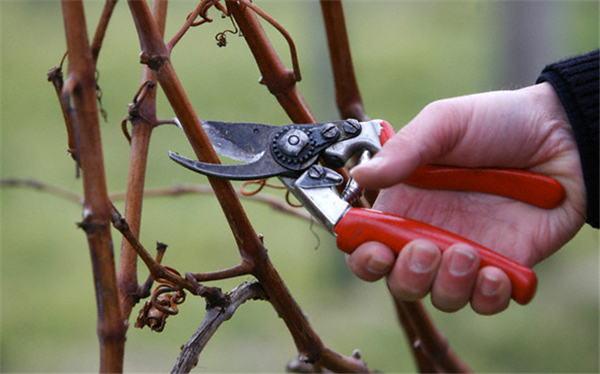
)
(407, 54)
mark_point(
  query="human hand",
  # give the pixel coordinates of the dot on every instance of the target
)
(523, 129)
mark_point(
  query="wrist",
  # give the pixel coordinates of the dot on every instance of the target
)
(575, 81)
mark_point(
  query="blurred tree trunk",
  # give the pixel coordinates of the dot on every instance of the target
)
(530, 39)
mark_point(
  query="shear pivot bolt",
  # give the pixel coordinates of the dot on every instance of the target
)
(316, 172)
(352, 126)
(329, 131)
(293, 142)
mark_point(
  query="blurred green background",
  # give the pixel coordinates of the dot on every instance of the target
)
(407, 54)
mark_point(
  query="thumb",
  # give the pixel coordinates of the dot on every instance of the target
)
(426, 138)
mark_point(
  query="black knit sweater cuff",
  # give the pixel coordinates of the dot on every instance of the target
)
(576, 82)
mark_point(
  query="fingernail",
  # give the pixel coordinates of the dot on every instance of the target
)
(489, 285)
(373, 163)
(461, 262)
(377, 265)
(422, 259)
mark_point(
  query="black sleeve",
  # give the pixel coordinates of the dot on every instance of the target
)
(576, 82)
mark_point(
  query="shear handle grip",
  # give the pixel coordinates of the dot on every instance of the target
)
(522, 185)
(360, 226)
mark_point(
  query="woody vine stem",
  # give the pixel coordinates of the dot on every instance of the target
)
(117, 287)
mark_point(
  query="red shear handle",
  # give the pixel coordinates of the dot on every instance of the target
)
(528, 187)
(532, 188)
(360, 226)
(387, 131)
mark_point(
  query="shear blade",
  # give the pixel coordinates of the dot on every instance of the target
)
(265, 167)
(245, 142)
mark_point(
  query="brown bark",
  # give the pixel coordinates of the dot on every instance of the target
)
(347, 93)
(80, 91)
(143, 120)
(116, 294)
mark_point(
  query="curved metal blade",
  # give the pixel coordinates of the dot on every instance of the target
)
(245, 142)
(265, 167)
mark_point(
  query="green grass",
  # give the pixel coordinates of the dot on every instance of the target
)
(407, 54)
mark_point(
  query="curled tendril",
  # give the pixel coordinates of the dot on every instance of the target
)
(262, 183)
(125, 130)
(165, 298)
(282, 31)
(134, 107)
(164, 303)
(201, 12)
(202, 9)
(221, 37)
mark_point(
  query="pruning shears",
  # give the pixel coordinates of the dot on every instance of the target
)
(304, 157)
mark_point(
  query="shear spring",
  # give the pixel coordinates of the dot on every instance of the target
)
(353, 190)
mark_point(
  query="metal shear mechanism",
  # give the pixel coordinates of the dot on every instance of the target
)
(292, 152)
(280, 150)
(292, 155)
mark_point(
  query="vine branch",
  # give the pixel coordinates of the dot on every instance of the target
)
(117, 292)
(109, 6)
(274, 203)
(143, 118)
(215, 316)
(80, 90)
(280, 81)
